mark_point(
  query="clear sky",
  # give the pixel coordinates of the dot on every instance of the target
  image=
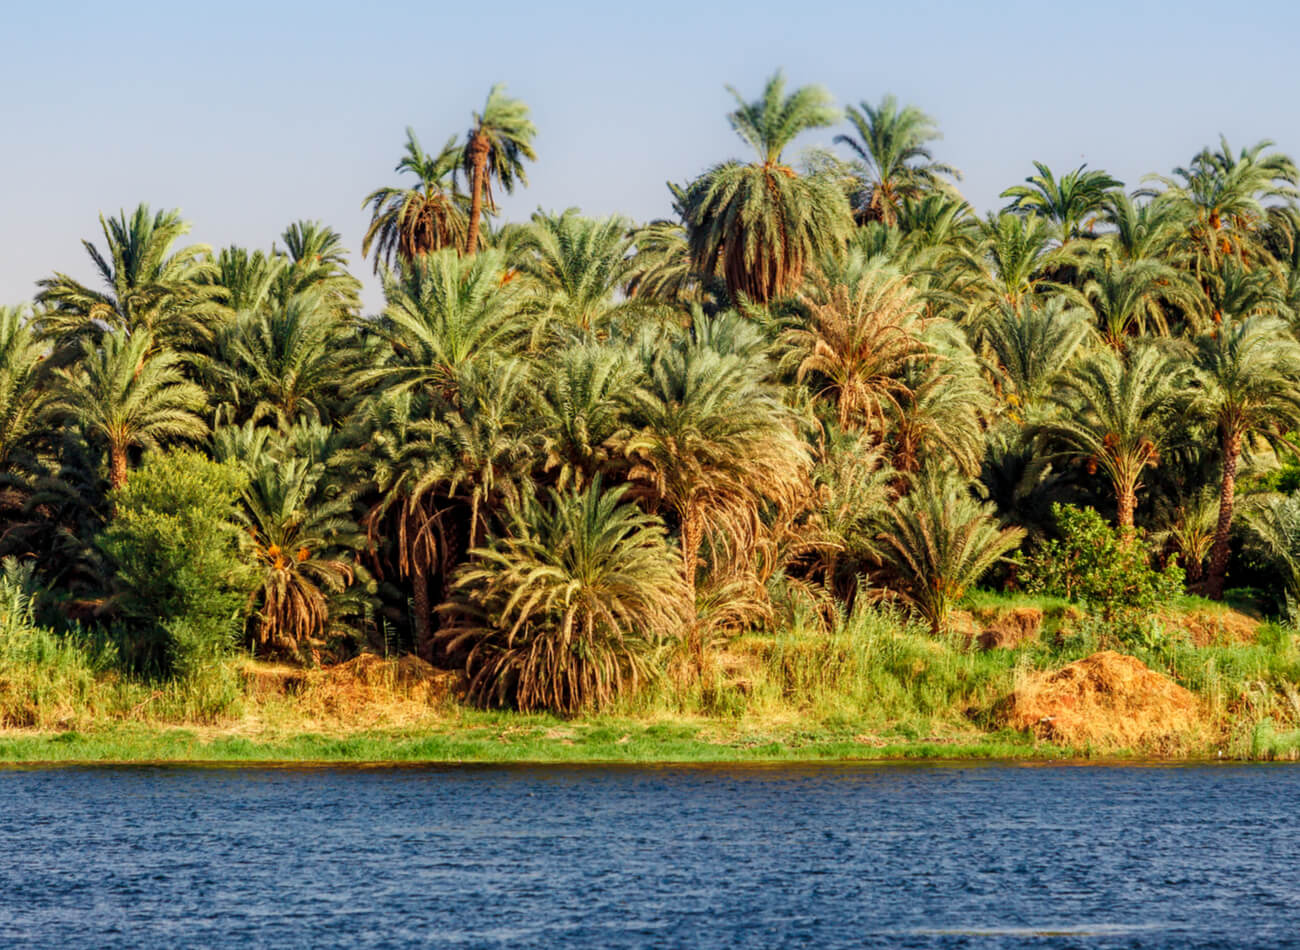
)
(250, 115)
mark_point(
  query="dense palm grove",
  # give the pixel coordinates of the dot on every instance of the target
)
(569, 445)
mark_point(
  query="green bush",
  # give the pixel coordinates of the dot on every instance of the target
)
(181, 583)
(1092, 563)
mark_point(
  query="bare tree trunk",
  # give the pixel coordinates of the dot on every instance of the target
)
(1227, 499)
(478, 150)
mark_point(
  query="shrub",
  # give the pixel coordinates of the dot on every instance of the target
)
(1090, 562)
(181, 586)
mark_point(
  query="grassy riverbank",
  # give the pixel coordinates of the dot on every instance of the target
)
(874, 687)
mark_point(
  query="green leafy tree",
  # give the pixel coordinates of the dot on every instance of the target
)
(181, 581)
(25, 395)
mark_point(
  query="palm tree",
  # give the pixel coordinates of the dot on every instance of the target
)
(247, 278)
(1012, 263)
(1121, 412)
(285, 362)
(894, 160)
(583, 411)
(25, 396)
(1148, 229)
(318, 263)
(566, 608)
(495, 148)
(939, 541)
(1031, 347)
(1131, 297)
(862, 330)
(408, 222)
(131, 395)
(1067, 201)
(153, 288)
(1249, 371)
(577, 264)
(444, 314)
(712, 442)
(760, 223)
(302, 537)
(1224, 194)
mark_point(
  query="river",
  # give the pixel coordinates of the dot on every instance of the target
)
(936, 855)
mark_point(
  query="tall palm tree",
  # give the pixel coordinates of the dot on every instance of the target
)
(1249, 370)
(318, 263)
(1067, 201)
(760, 223)
(893, 157)
(583, 411)
(565, 609)
(1143, 229)
(495, 148)
(131, 395)
(1121, 412)
(152, 286)
(1012, 263)
(408, 222)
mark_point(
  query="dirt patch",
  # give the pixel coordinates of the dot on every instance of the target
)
(1010, 628)
(1107, 700)
(1215, 628)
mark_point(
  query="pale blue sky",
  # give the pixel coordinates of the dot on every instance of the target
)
(250, 115)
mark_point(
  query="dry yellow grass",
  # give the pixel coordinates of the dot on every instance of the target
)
(1106, 700)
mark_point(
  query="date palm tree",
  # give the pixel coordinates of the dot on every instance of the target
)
(1067, 201)
(565, 609)
(862, 330)
(1120, 413)
(938, 540)
(1031, 347)
(131, 395)
(153, 287)
(445, 313)
(1133, 297)
(712, 441)
(577, 264)
(25, 394)
(893, 155)
(1249, 371)
(495, 148)
(408, 222)
(760, 223)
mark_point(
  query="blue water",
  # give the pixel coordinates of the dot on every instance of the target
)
(827, 856)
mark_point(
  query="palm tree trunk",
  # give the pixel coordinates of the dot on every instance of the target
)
(1227, 498)
(116, 466)
(423, 616)
(478, 149)
(1127, 500)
